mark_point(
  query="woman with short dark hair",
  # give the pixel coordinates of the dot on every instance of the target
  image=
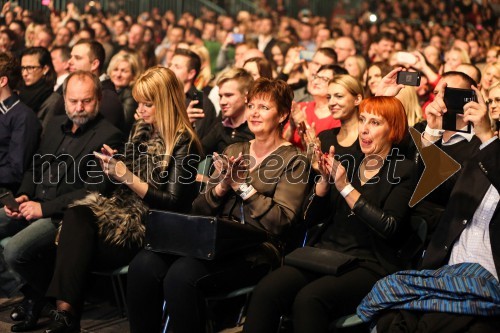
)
(260, 183)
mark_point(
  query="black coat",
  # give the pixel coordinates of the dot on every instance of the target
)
(479, 173)
(82, 170)
(111, 107)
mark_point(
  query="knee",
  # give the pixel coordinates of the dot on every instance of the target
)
(146, 267)
(305, 299)
(12, 253)
(184, 272)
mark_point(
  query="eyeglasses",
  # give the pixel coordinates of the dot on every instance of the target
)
(496, 100)
(322, 78)
(29, 69)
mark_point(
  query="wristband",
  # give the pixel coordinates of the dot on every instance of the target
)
(244, 191)
(434, 132)
(346, 190)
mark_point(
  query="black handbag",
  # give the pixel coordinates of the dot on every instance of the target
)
(202, 237)
(321, 260)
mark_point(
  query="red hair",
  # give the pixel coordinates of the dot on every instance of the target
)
(391, 109)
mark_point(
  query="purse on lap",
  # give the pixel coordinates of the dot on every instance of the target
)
(202, 237)
(321, 260)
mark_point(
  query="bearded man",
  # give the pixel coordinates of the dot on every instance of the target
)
(63, 170)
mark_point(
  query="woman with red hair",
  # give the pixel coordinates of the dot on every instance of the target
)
(362, 235)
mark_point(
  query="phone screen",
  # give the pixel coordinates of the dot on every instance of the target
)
(409, 78)
(306, 55)
(238, 38)
(198, 95)
(455, 99)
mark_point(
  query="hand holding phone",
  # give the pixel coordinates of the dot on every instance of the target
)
(8, 200)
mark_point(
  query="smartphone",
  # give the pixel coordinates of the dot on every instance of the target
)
(7, 199)
(405, 58)
(306, 55)
(198, 96)
(408, 78)
(455, 99)
(238, 38)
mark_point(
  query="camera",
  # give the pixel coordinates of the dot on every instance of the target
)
(409, 78)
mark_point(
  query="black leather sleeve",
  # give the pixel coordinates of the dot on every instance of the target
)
(383, 224)
(179, 188)
(386, 219)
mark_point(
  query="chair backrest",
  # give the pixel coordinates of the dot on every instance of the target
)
(203, 172)
(414, 246)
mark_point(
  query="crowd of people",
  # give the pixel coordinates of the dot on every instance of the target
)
(302, 123)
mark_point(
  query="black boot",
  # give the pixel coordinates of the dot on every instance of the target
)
(32, 314)
(63, 322)
(19, 311)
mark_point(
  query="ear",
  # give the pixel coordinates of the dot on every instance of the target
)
(94, 66)
(283, 118)
(4, 81)
(357, 100)
(191, 74)
(45, 69)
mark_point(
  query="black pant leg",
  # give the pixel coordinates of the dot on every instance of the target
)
(330, 297)
(80, 251)
(273, 297)
(145, 290)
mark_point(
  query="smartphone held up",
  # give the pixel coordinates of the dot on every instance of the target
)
(455, 99)
(408, 78)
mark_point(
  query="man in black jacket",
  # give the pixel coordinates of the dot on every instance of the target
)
(19, 128)
(201, 112)
(89, 55)
(63, 170)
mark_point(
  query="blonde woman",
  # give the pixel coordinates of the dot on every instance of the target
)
(205, 75)
(453, 58)
(356, 67)
(345, 93)
(494, 106)
(107, 231)
(489, 76)
(124, 68)
(408, 97)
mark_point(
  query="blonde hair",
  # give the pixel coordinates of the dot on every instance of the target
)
(361, 62)
(350, 83)
(409, 99)
(160, 86)
(244, 79)
(132, 58)
(205, 74)
(495, 85)
(464, 57)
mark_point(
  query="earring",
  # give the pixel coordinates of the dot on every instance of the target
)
(44, 73)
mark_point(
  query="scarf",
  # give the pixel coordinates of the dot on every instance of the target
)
(34, 95)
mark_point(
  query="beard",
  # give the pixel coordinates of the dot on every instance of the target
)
(81, 119)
